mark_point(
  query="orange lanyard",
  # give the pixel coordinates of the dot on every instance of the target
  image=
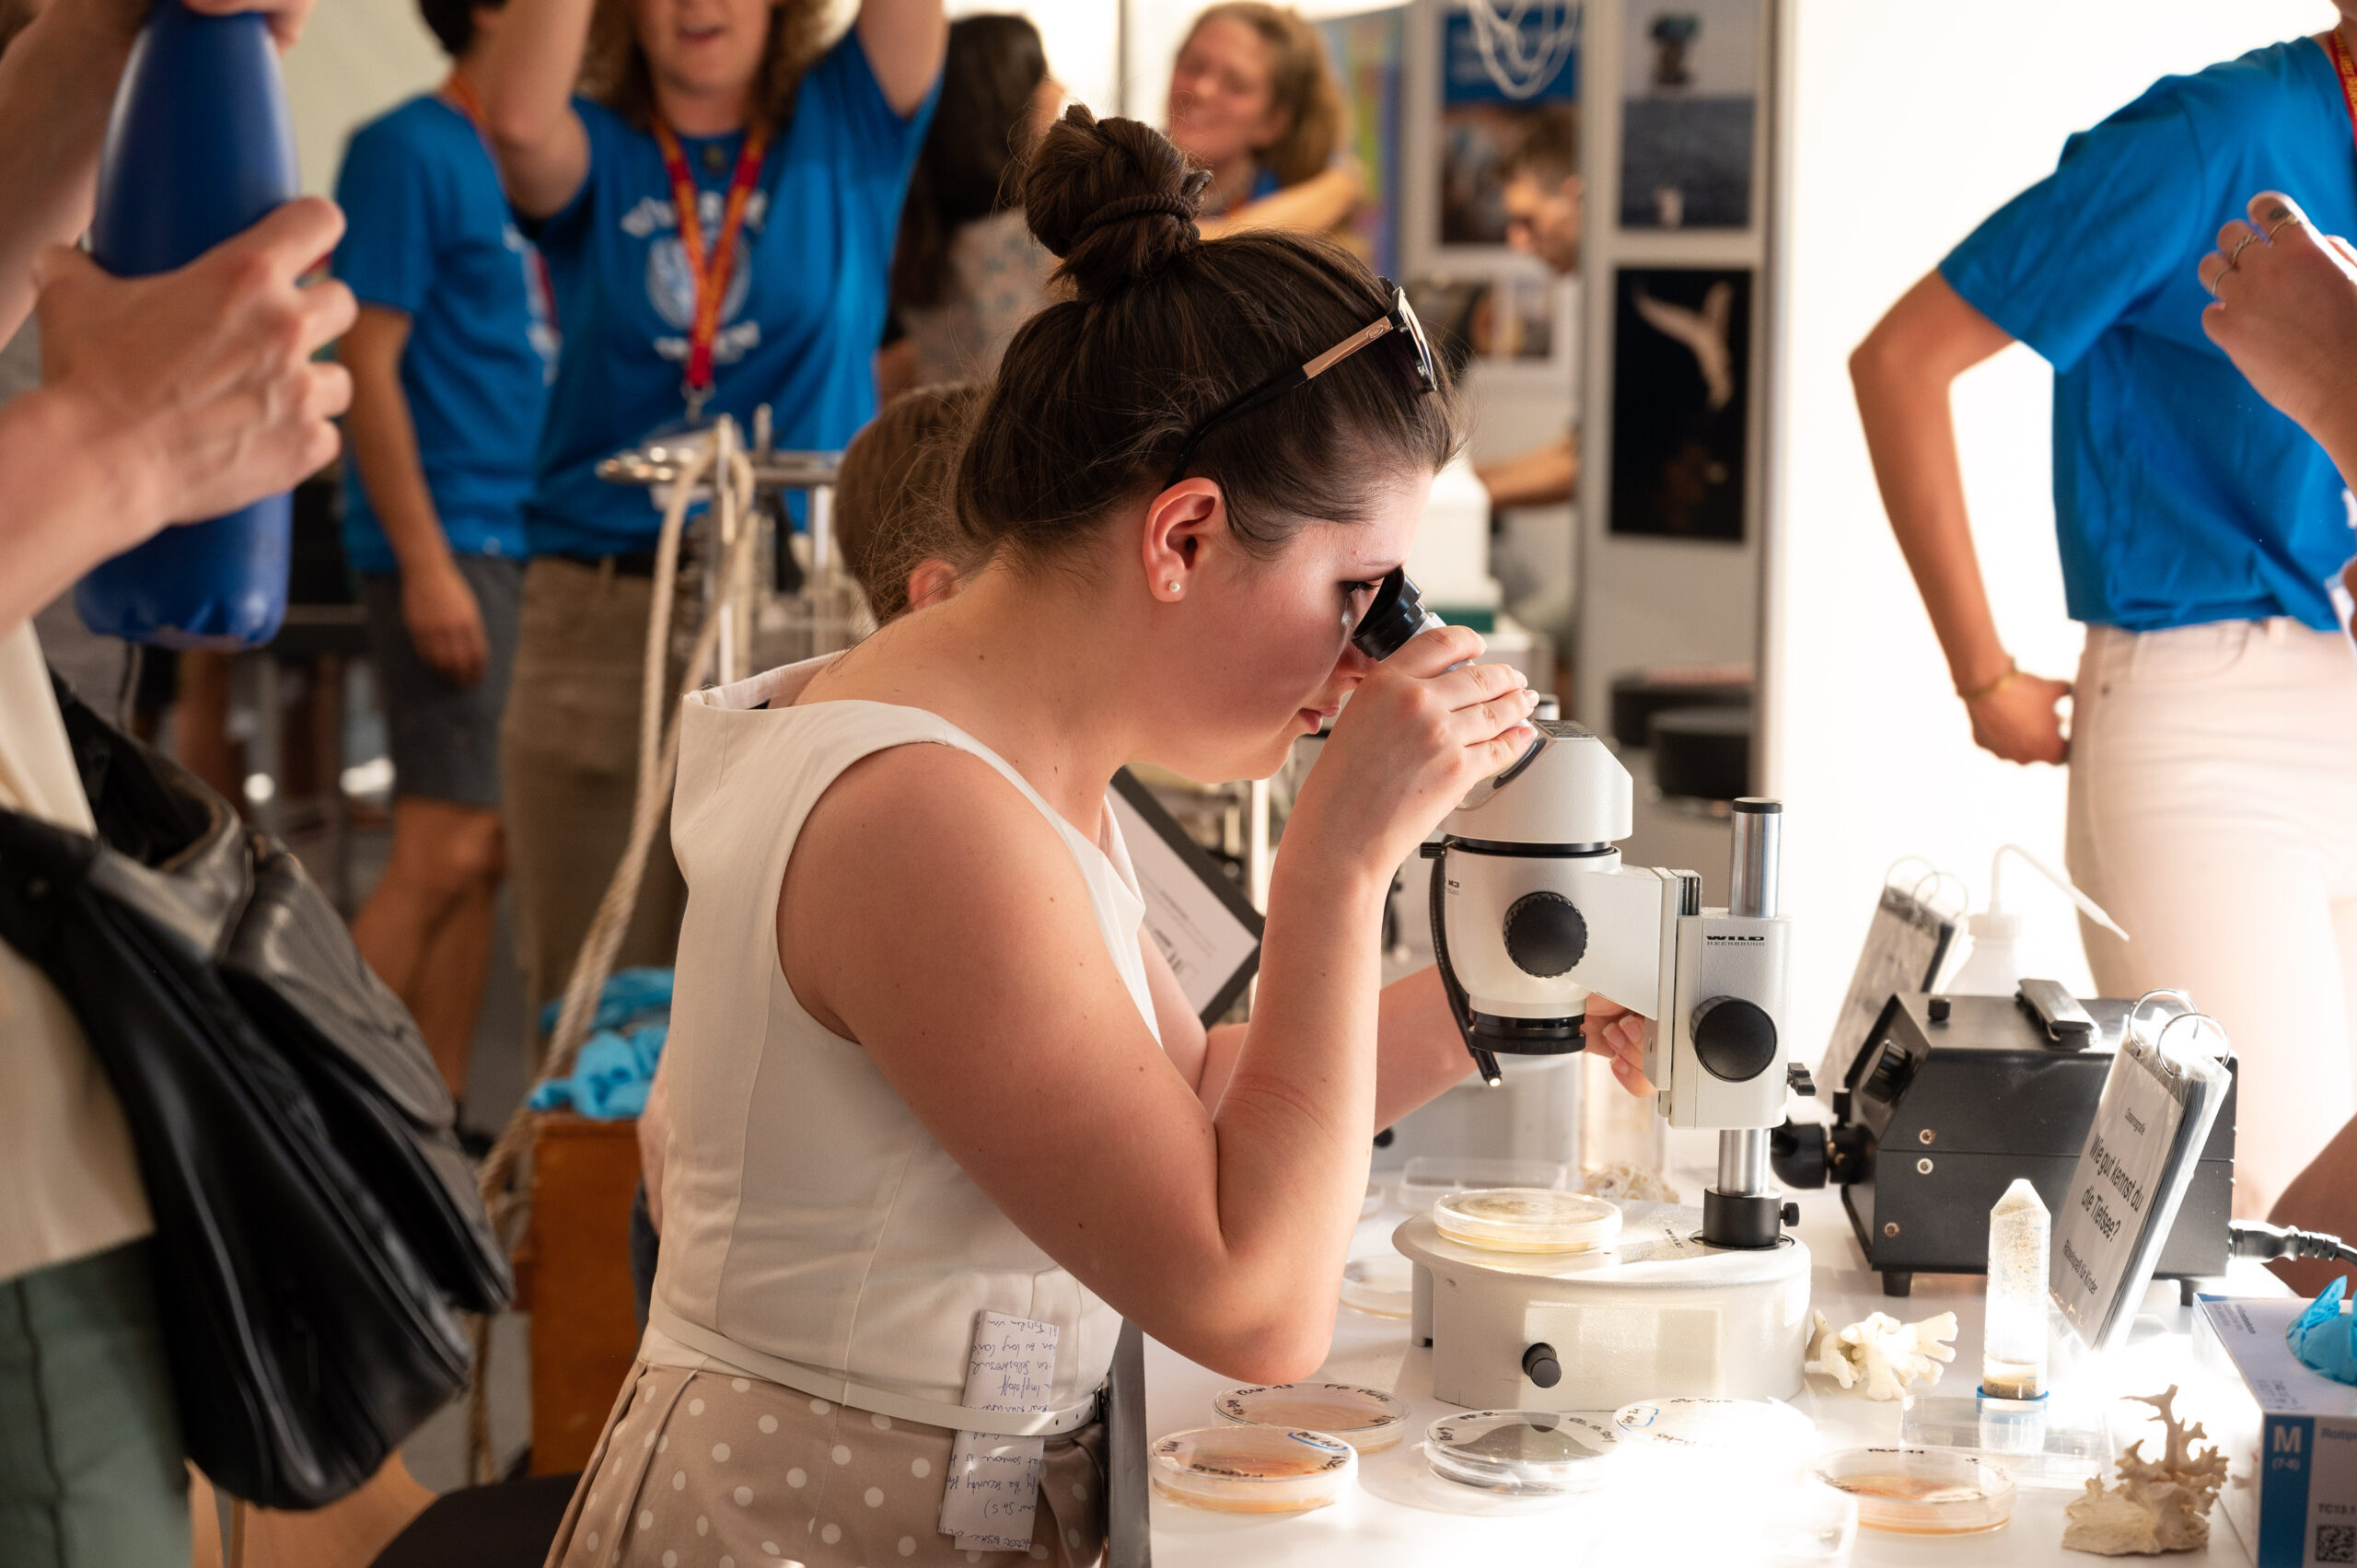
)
(2346, 69)
(462, 98)
(709, 270)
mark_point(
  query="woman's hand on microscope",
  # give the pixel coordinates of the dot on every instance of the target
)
(1418, 732)
(1618, 1036)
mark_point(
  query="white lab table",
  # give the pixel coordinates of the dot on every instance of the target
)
(1389, 1520)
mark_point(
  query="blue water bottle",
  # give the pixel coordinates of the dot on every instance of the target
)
(199, 147)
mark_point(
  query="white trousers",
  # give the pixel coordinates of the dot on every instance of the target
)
(2213, 813)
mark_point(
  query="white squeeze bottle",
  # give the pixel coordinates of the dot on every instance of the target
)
(1992, 966)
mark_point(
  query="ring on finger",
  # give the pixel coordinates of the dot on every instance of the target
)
(2280, 223)
(2240, 246)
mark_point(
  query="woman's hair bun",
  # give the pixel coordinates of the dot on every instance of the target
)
(1113, 199)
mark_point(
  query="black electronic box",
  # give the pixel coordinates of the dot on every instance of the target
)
(1951, 1099)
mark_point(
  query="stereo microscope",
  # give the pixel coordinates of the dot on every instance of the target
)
(1533, 914)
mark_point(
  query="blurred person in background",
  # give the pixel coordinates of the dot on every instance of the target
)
(966, 272)
(717, 209)
(2213, 743)
(1542, 189)
(1253, 99)
(450, 358)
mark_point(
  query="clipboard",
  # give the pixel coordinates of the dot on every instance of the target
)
(1207, 928)
(1907, 942)
(2159, 1103)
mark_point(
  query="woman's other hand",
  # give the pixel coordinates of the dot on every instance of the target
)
(2286, 314)
(1618, 1036)
(1416, 736)
(2020, 719)
(199, 383)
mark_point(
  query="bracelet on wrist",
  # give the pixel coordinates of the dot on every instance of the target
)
(1990, 689)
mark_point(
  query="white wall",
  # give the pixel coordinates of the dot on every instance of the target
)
(1908, 123)
(357, 59)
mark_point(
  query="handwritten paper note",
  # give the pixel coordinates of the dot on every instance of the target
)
(994, 1488)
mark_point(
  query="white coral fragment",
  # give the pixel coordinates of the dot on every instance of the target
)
(2159, 1504)
(1625, 1182)
(1880, 1355)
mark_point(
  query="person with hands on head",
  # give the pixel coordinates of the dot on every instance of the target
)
(717, 210)
(450, 358)
(2213, 743)
(164, 400)
(923, 1062)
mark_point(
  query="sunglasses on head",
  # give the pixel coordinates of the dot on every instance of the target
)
(1397, 328)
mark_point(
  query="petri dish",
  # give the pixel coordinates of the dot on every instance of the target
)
(1369, 1419)
(1252, 1469)
(1921, 1492)
(1727, 1426)
(1523, 1453)
(1527, 1219)
(1382, 1283)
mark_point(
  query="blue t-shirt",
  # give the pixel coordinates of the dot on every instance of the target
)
(800, 319)
(2180, 496)
(429, 234)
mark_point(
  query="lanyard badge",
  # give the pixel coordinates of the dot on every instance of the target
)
(708, 267)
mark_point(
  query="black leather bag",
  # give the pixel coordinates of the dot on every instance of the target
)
(317, 1229)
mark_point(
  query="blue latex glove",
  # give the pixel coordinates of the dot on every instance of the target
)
(2325, 1337)
(609, 1077)
(627, 992)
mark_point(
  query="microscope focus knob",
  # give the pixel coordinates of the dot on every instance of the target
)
(1545, 934)
(1733, 1039)
(1538, 1364)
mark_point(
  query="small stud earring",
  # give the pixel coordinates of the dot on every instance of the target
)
(1172, 588)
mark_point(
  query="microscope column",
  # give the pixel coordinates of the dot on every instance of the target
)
(1742, 1210)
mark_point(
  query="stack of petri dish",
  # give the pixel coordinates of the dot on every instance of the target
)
(1922, 1492)
(1369, 1419)
(1382, 1283)
(1252, 1469)
(1523, 1453)
(1527, 1219)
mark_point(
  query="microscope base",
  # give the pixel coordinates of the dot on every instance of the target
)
(1657, 1315)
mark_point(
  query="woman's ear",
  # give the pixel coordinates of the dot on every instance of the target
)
(931, 581)
(1178, 522)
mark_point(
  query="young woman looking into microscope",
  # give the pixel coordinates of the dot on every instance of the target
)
(921, 1063)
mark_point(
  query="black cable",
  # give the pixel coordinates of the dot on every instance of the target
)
(2249, 1238)
(1459, 1007)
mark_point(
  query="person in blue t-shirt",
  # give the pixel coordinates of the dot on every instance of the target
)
(2212, 746)
(450, 361)
(798, 155)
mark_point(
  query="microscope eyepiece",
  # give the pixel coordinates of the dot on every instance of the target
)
(1397, 615)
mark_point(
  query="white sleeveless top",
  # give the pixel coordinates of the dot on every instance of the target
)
(813, 1231)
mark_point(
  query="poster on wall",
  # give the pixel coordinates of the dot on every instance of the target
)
(1500, 75)
(1681, 375)
(1692, 72)
(1366, 51)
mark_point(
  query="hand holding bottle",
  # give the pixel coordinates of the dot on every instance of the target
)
(199, 383)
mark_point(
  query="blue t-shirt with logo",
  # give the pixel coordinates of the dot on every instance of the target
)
(429, 234)
(800, 317)
(2180, 496)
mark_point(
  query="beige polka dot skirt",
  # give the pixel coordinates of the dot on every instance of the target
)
(701, 1470)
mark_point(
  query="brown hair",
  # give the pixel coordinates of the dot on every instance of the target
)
(1549, 152)
(1301, 83)
(892, 496)
(614, 69)
(1098, 393)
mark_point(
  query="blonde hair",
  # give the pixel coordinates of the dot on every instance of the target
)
(893, 507)
(615, 72)
(1301, 83)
